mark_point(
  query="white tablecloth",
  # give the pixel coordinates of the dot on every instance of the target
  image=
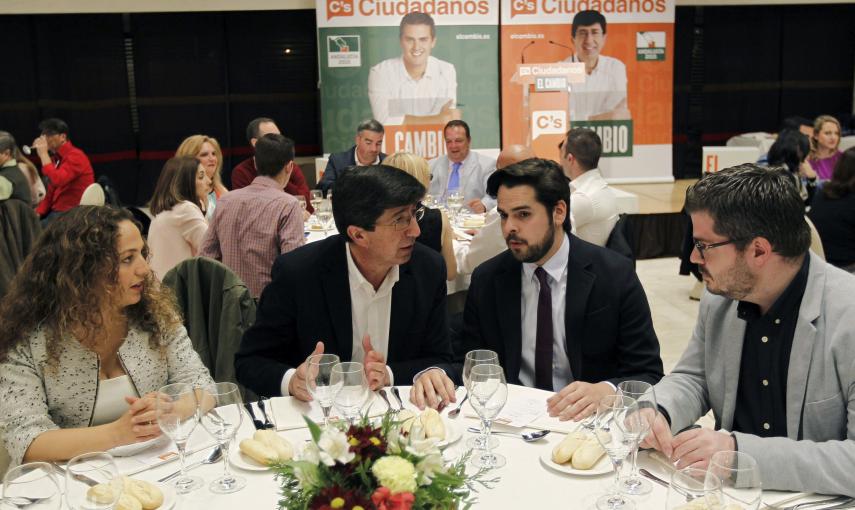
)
(525, 482)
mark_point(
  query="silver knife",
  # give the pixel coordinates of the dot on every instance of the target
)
(91, 482)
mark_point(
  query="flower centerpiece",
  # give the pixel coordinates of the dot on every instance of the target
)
(367, 467)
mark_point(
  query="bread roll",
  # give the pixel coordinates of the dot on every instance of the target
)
(258, 451)
(432, 423)
(284, 450)
(149, 495)
(564, 450)
(101, 494)
(407, 418)
(128, 502)
(588, 454)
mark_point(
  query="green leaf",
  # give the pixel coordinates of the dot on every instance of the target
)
(313, 428)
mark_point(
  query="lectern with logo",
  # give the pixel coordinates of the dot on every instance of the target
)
(546, 102)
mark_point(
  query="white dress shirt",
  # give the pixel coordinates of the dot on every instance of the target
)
(602, 91)
(370, 313)
(485, 244)
(593, 207)
(393, 93)
(358, 163)
(556, 270)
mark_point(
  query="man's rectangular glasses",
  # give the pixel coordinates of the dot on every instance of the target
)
(404, 221)
(701, 247)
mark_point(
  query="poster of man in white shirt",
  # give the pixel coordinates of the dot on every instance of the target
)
(603, 95)
(414, 88)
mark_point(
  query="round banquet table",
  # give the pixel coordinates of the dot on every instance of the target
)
(524, 481)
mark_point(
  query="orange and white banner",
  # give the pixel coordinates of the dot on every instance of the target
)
(614, 75)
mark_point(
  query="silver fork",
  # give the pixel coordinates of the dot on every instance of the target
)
(382, 393)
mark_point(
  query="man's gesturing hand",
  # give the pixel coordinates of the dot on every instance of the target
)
(297, 385)
(375, 366)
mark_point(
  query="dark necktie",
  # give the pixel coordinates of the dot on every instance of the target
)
(544, 336)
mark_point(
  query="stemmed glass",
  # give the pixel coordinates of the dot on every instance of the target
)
(32, 485)
(694, 485)
(455, 204)
(177, 412)
(318, 374)
(479, 357)
(350, 389)
(616, 427)
(645, 397)
(81, 471)
(325, 215)
(488, 393)
(220, 408)
(316, 198)
(741, 485)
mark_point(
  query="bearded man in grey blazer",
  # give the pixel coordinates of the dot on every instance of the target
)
(773, 351)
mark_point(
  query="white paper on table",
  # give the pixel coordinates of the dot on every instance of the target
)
(288, 412)
(520, 412)
(165, 452)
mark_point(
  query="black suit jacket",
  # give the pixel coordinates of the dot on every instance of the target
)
(608, 329)
(336, 164)
(309, 300)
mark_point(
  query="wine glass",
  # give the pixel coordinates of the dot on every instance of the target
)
(455, 203)
(616, 428)
(220, 410)
(479, 357)
(324, 214)
(739, 473)
(645, 397)
(82, 471)
(177, 415)
(350, 389)
(317, 197)
(696, 487)
(488, 393)
(318, 373)
(33, 486)
(302, 201)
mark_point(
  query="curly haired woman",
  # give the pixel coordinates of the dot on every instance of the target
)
(87, 336)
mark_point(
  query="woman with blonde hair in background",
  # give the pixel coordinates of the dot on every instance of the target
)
(87, 337)
(207, 150)
(824, 146)
(178, 206)
(435, 230)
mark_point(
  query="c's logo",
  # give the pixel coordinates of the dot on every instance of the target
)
(523, 7)
(337, 8)
(548, 122)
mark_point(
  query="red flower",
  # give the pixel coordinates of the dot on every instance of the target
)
(384, 500)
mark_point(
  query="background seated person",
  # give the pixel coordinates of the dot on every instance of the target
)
(179, 225)
(369, 294)
(365, 151)
(87, 336)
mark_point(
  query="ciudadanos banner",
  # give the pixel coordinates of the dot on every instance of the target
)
(602, 64)
(413, 65)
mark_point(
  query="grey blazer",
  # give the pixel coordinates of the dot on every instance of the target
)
(474, 172)
(819, 453)
(35, 398)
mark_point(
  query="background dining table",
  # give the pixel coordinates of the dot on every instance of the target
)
(524, 482)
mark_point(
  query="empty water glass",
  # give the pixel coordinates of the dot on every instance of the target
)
(33, 486)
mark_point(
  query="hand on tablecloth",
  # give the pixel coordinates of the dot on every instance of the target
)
(297, 385)
(577, 400)
(432, 388)
(477, 206)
